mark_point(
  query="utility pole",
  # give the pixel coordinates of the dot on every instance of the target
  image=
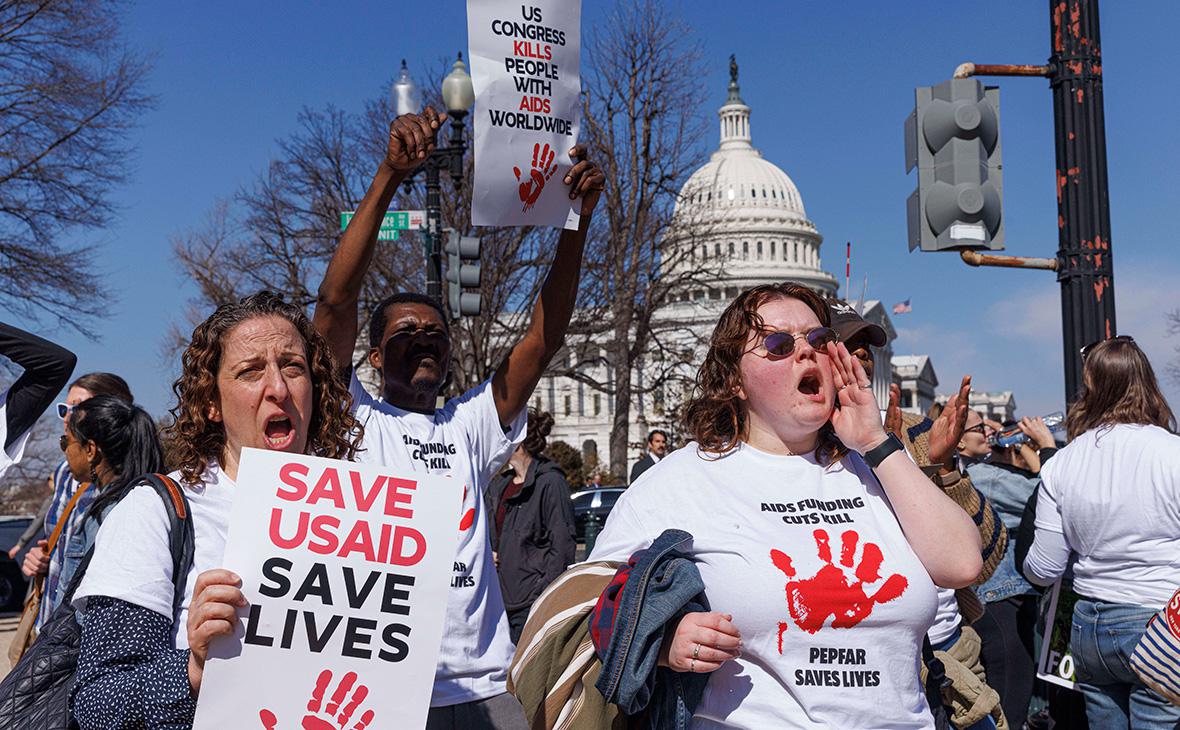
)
(1083, 198)
(1083, 263)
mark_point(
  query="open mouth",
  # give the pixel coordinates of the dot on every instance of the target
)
(279, 432)
(809, 385)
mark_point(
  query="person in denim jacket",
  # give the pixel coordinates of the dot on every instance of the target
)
(1007, 627)
(108, 442)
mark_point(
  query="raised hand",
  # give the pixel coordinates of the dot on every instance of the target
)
(947, 430)
(858, 419)
(412, 139)
(586, 180)
(702, 642)
(893, 422)
(323, 716)
(217, 596)
(1036, 430)
(837, 591)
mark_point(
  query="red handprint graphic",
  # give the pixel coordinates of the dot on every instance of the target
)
(327, 719)
(543, 169)
(468, 518)
(830, 592)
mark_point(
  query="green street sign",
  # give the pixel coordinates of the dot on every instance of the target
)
(394, 221)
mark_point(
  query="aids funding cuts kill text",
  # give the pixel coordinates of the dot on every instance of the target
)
(834, 589)
(533, 72)
(350, 522)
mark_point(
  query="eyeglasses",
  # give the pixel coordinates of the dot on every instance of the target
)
(63, 410)
(979, 428)
(1085, 351)
(782, 344)
(436, 337)
(63, 442)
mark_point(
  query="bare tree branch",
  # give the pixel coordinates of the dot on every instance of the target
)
(70, 94)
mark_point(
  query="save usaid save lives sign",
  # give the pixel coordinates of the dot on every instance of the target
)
(524, 70)
(345, 567)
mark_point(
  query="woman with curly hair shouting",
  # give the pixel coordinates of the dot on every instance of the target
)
(256, 374)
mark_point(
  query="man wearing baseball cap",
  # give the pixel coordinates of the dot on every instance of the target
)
(932, 446)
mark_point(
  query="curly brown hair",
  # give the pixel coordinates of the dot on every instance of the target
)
(715, 415)
(539, 426)
(196, 440)
(1118, 386)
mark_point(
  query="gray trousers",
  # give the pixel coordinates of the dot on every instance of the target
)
(502, 712)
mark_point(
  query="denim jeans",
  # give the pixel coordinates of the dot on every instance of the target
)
(1101, 641)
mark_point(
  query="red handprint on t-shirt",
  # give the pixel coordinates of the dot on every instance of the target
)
(830, 592)
(468, 518)
(327, 719)
(543, 169)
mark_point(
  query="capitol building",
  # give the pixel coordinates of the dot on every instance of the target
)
(740, 220)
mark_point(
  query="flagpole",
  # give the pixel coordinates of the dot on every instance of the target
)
(848, 272)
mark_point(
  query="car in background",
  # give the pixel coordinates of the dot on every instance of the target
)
(597, 502)
(13, 583)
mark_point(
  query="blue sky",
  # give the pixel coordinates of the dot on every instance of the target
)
(829, 84)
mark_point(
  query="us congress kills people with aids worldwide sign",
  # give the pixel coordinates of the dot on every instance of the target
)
(524, 68)
(345, 567)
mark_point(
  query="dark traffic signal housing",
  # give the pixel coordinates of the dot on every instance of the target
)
(953, 138)
(463, 272)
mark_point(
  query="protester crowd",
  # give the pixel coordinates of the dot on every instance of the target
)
(810, 558)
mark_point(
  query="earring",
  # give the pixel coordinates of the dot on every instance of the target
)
(93, 475)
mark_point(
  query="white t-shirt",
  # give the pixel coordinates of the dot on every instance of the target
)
(12, 454)
(132, 561)
(831, 601)
(1114, 494)
(464, 440)
(947, 619)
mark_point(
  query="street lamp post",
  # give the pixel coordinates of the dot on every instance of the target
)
(458, 96)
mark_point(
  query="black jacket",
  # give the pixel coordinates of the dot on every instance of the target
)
(536, 542)
(641, 466)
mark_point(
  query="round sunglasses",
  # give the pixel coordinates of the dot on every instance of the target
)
(782, 344)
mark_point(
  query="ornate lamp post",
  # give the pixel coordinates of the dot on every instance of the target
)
(458, 95)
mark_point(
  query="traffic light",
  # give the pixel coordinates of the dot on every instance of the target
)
(463, 271)
(953, 138)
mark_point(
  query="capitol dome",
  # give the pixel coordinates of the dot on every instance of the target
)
(744, 215)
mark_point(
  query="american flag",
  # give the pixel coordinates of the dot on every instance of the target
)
(902, 307)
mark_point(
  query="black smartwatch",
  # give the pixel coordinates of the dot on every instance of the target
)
(873, 457)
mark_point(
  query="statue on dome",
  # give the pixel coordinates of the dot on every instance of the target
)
(733, 68)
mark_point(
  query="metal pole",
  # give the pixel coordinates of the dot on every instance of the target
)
(1083, 199)
(433, 226)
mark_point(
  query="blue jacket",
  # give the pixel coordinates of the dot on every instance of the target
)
(656, 587)
(1008, 489)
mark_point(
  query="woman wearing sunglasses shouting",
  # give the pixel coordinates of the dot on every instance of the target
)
(818, 541)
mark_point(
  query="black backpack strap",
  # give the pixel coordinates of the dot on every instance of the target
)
(181, 540)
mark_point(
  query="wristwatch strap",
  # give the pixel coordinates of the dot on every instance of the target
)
(873, 457)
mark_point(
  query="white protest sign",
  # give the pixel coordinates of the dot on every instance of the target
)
(524, 68)
(1055, 663)
(346, 569)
